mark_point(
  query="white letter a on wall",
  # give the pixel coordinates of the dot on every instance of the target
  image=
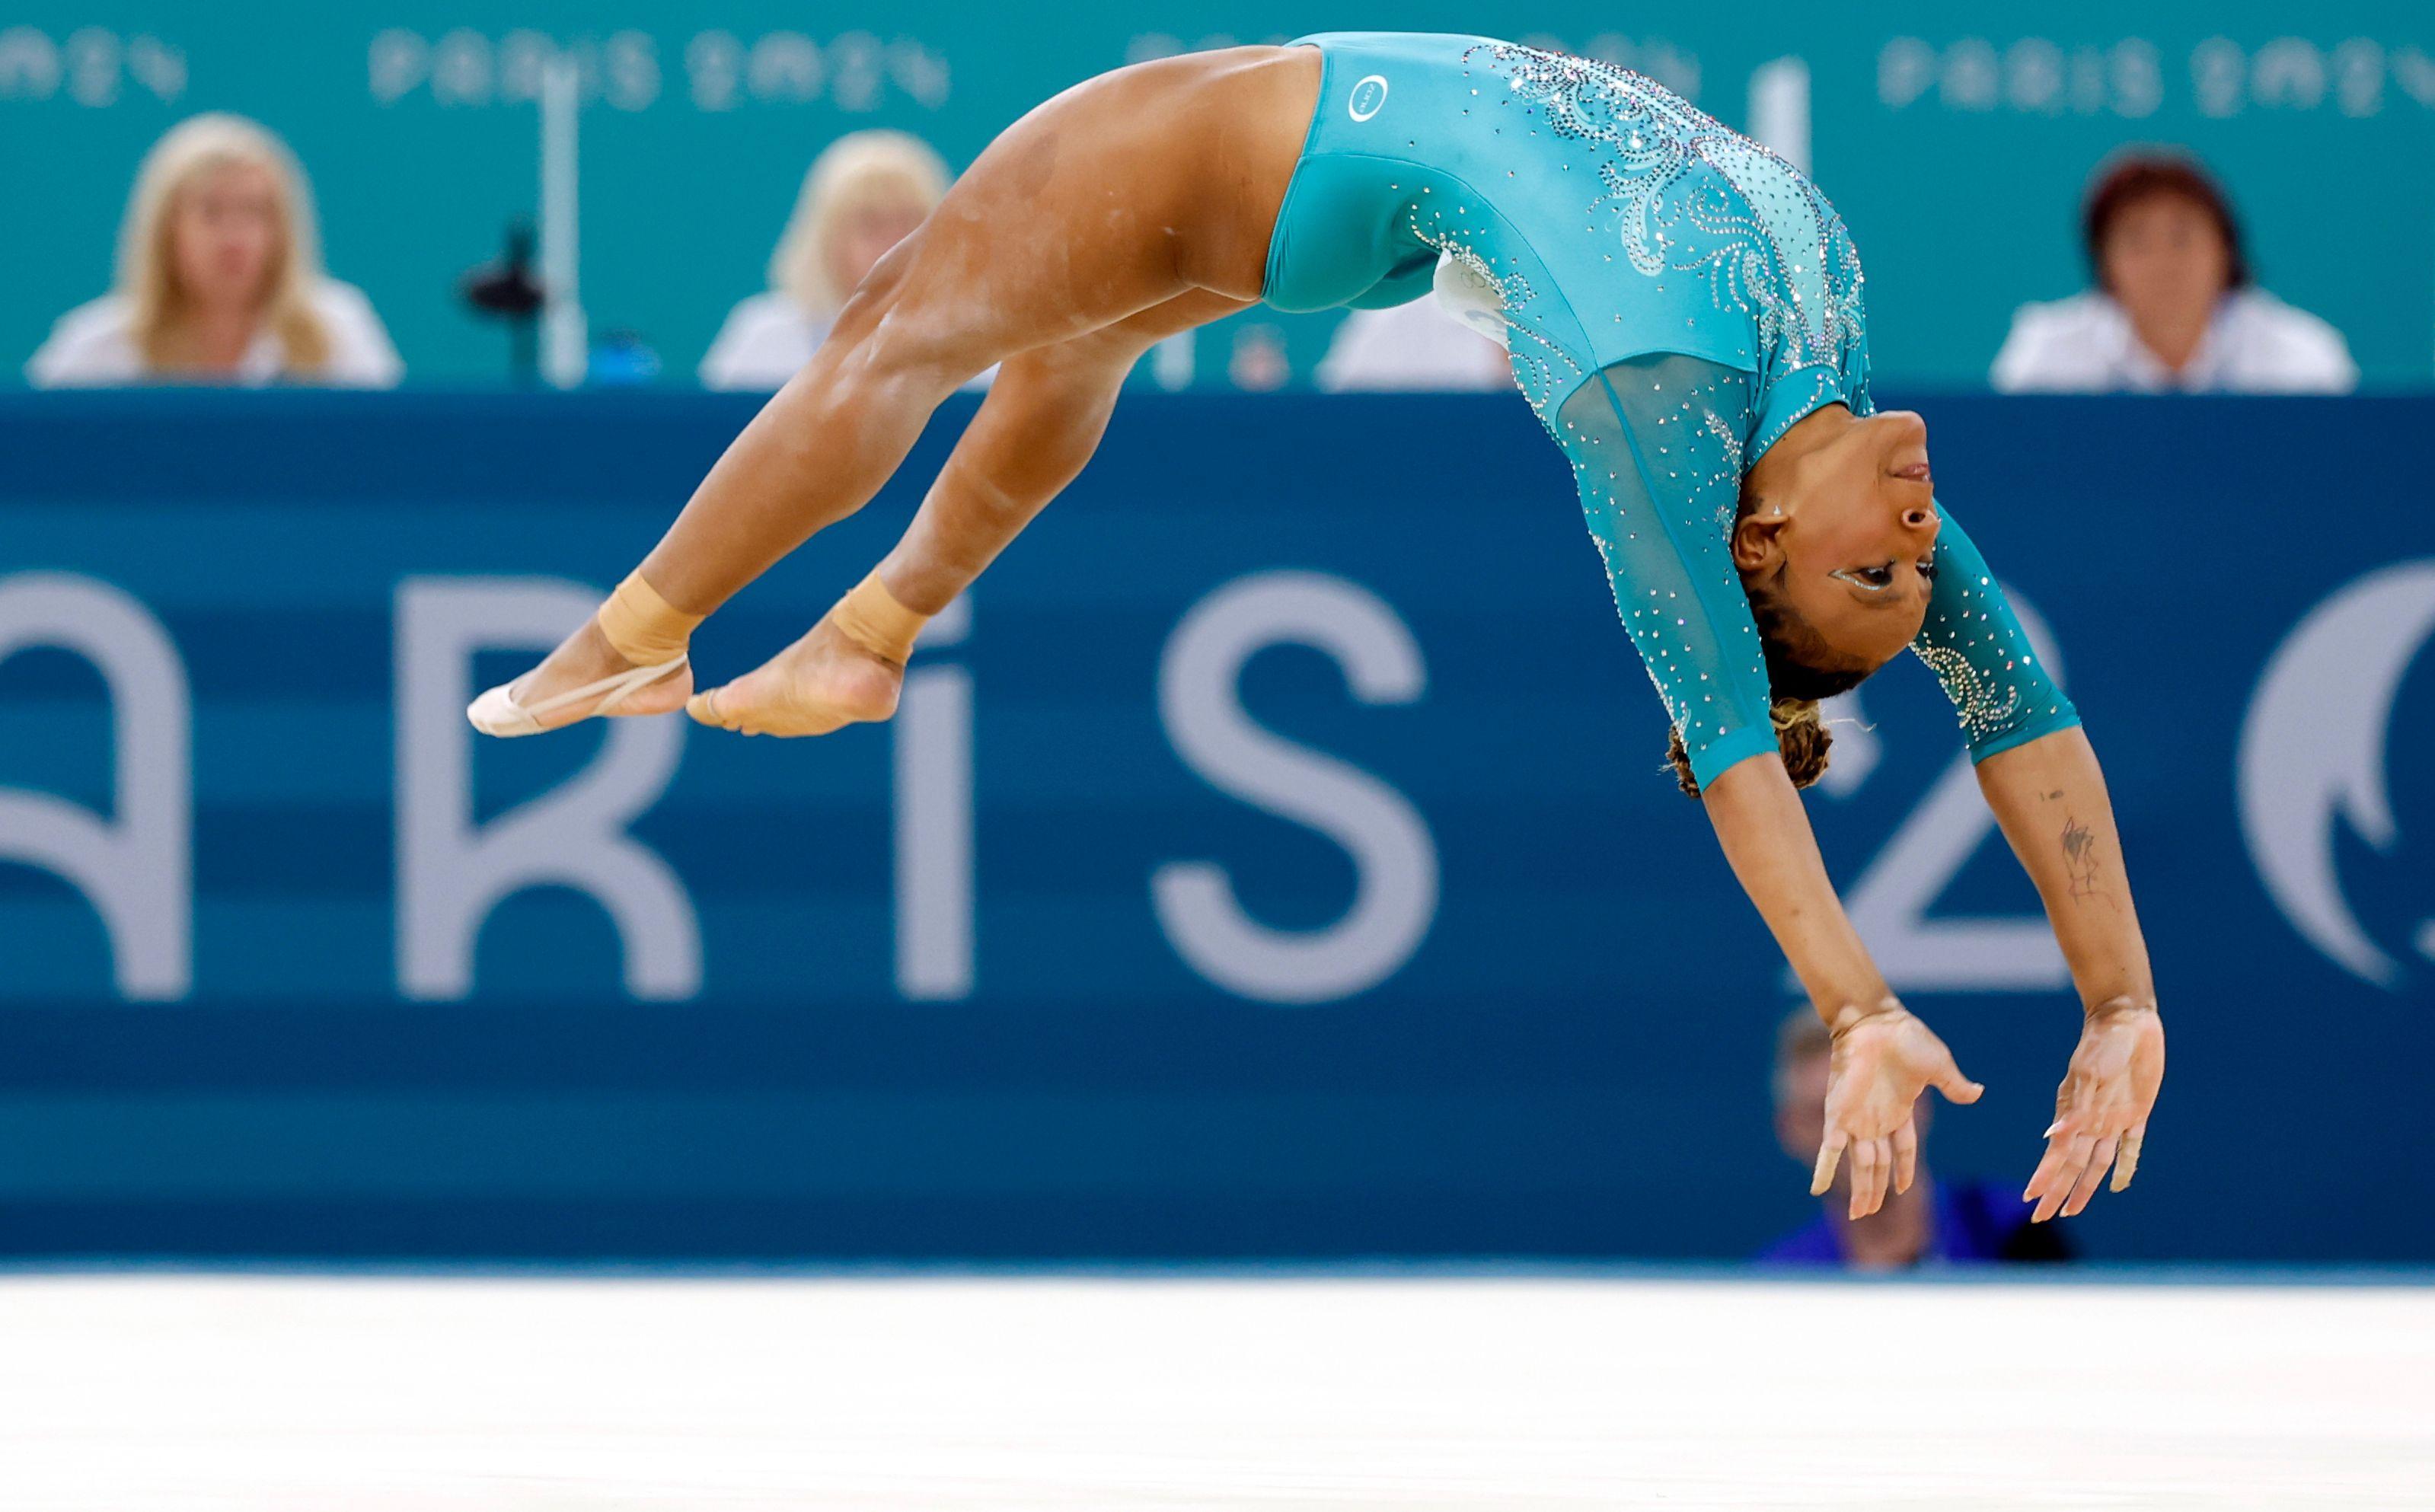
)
(136, 865)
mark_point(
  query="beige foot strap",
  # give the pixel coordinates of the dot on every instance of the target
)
(870, 617)
(644, 627)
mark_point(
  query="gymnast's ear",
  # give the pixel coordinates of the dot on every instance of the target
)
(1758, 535)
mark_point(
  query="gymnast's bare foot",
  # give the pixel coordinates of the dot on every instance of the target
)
(822, 682)
(584, 660)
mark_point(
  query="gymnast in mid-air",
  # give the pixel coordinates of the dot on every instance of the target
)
(1683, 313)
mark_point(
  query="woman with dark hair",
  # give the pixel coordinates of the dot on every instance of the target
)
(2174, 309)
(1683, 313)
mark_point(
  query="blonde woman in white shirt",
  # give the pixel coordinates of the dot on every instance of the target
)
(219, 278)
(863, 196)
(2174, 310)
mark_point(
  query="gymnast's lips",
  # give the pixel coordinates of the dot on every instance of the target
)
(1917, 472)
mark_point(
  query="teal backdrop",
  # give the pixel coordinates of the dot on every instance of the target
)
(1955, 137)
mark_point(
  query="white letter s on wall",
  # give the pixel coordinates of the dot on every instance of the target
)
(1395, 858)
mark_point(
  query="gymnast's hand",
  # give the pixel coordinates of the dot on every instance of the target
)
(2102, 1108)
(1884, 1060)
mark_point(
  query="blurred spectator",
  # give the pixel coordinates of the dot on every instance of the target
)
(1258, 364)
(863, 196)
(2174, 309)
(219, 278)
(1408, 349)
(1935, 1222)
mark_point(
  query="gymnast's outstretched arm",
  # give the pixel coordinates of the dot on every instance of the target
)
(1884, 1057)
(2042, 779)
(1657, 446)
(2049, 796)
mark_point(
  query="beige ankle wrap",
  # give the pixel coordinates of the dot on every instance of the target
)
(644, 627)
(870, 617)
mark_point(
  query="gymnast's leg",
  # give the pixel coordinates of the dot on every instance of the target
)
(1041, 422)
(1114, 198)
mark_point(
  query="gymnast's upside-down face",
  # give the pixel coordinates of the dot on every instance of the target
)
(1843, 547)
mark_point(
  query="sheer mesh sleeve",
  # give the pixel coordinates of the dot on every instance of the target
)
(1999, 686)
(1657, 445)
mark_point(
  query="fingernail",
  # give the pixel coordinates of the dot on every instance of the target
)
(2051, 1129)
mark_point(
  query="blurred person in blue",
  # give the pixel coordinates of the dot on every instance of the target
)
(2174, 309)
(1935, 1221)
(219, 278)
(1684, 312)
(864, 194)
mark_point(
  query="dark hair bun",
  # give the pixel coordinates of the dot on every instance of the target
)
(1801, 736)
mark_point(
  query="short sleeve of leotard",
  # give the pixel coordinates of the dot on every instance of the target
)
(1998, 684)
(1657, 445)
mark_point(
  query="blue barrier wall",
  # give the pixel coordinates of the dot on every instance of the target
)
(1274, 861)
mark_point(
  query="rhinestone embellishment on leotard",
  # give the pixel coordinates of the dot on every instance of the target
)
(1541, 367)
(1737, 293)
(1766, 241)
(1986, 691)
(1984, 709)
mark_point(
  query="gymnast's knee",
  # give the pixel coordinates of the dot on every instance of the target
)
(890, 335)
(905, 357)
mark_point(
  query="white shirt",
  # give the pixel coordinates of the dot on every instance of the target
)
(92, 347)
(2256, 344)
(1423, 345)
(766, 340)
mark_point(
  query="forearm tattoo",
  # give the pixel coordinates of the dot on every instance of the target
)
(2080, 857)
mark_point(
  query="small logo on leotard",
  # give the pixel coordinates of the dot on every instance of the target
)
(1367, 96)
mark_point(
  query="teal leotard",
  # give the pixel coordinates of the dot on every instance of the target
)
(1675, 297)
